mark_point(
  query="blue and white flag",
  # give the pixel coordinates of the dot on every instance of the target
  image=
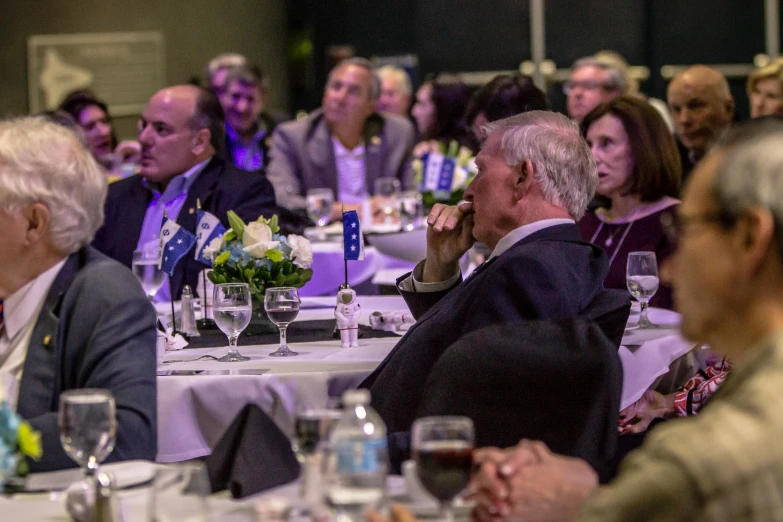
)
(208, 227)
(352, 236)
(175, 242)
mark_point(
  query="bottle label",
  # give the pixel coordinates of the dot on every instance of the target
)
(367, 456)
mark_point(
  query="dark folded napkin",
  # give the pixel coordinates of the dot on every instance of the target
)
(298, 332)
(253, 455)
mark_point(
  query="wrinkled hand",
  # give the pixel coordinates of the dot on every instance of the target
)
(398, 514)
(637, 417)
(449, 236)
(529, 482)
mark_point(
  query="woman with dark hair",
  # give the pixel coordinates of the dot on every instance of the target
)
(439, 109)
(92, 115)
(639, 176)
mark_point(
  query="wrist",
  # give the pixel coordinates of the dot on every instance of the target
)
(435, 271)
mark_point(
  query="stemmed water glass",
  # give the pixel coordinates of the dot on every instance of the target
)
(232, 308)
(642, 279)
(282, 307)
(88, 427)
(319, 207)
(147, 271)
(388, 192)
(443, 450)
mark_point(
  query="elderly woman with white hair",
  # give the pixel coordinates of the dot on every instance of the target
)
(71, 317)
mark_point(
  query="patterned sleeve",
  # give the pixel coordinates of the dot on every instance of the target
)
(699, 388)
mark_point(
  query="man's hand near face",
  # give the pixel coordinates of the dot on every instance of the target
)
(529, 482)
(449, 236)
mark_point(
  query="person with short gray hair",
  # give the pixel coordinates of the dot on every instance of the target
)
(535, 177)
(70, 318)
(592, 82)
(344, 146)
(396, 91)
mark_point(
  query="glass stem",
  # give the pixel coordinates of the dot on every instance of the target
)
(232, 344)
(283, 343)
(643, 321)
(446, 513)
(91, 469)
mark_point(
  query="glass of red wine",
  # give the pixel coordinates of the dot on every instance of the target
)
(443, 450)
(282, 307)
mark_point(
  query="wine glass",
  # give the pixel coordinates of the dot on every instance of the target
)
(387, 190)
(147, 271)
(411, 210)
(642, 279)
(232, 307)
(443, 450)
(319, 207)
(88, 426)
(282, 307)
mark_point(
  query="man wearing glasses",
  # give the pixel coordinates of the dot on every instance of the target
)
(592, 82)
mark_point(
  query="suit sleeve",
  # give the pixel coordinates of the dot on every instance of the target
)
(115, 337)
(284, 172)
(256, 199)
(406, 174)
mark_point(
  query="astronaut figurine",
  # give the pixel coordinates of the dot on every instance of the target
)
(347, 313)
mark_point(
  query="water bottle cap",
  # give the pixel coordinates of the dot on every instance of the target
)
(356, 397)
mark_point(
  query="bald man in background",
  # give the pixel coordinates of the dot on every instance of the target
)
(702, 107)
(180, 131)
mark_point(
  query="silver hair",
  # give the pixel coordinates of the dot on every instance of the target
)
(563, 164)
(225, 61)
(616, 78)
(375, 80)
(42, 162)
(399, 76)
(750, 174)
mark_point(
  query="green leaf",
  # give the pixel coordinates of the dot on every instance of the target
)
(292, 279)
(221, 279)
(211, 276)
(249, 273)
(453, 149)
(273, 224)
(280, 280)
(305, 275)
(222, 258)
(229, 236)
(237, 225)
(274, 255)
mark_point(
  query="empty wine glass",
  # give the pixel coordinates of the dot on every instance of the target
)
(88, 427)
(387, 190)
(443, 450)
(146, 269)
(642, 279)
(232, 307)
(282, 307)
(411, 210)
(319, 207)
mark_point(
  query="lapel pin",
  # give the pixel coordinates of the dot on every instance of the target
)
(47, 341)
(375, 140)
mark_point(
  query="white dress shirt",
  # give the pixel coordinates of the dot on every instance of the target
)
(20, 313)
(351, 173)
(413, 282)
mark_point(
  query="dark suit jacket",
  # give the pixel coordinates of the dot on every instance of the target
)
(302, 155)
(550, 274)
(220, 187)
(96, 330)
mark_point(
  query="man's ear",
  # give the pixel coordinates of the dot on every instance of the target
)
(729, 104)
(522, 174)
(201, 142)
(755, 237)
(38, 222)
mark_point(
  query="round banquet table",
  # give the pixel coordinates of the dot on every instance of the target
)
(195, 407)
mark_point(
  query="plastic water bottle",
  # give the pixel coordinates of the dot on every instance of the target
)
(360, 458)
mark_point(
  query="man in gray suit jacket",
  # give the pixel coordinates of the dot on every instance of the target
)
(344, 146)
(71, 317)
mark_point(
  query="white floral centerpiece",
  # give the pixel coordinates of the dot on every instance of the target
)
(257, 254)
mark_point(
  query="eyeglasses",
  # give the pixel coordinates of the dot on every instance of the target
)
(674, 227)
(585, 86)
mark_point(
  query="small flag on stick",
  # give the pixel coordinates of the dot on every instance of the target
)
(208, 227)
(352, 236)
(175, 242)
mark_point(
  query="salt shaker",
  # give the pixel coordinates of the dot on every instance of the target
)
(188, 315)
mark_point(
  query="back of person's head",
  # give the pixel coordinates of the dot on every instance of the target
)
(617, 76)
(615, 62)
(364, 63)
(450, 97)
(564, 166)
(750, 173)
(504, 96)
(657, 170)
(43, 162)
(208, 114)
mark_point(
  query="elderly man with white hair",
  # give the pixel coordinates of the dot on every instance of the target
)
(396, 91)
(71, 317)
(536, 176)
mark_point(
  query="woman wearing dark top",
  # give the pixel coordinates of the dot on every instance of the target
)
(639, 176)
(438, 112)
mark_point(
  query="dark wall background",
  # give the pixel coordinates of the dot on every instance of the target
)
(194, 32)
(475, 35)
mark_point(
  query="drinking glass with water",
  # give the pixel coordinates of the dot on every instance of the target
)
(232, 308)
(282, 307)
(88, 427)
(319, 207)
(642, 279)
(147, 271)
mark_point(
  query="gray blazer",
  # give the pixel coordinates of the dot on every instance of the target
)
(302, 156)
(95, 330)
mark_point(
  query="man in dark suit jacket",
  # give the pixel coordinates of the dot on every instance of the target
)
(179, 131)
(303, 153)
(536, 175)
(72, 318)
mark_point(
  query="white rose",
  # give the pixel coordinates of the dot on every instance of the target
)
(257, 239)
(301, 250)
(213, 246)
(459, 179)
